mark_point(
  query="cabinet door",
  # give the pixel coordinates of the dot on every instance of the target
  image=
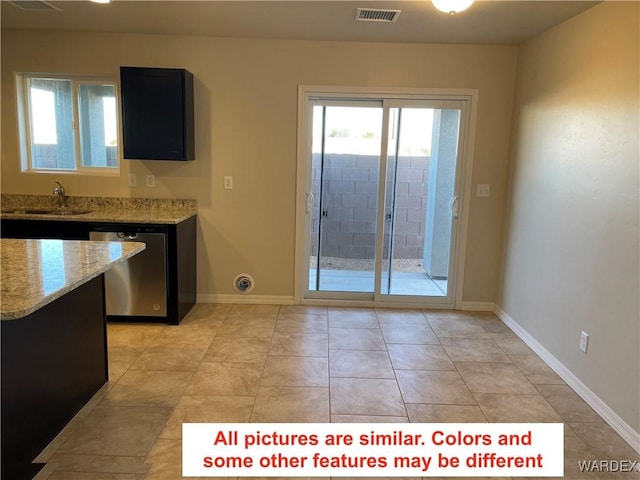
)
(64, 230)
(157, 113)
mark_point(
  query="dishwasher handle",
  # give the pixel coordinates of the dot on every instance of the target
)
(127, 236)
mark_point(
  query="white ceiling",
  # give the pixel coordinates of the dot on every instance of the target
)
(486, 22)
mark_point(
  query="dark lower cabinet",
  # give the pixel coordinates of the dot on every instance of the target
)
(52, 362)
(13, 228)
(180, 257)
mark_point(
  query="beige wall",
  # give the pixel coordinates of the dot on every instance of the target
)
(571, 252)
(246, 94)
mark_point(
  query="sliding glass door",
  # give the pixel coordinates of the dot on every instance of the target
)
(382, 198)
(345, 169)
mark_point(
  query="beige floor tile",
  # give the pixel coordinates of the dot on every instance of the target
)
(474, 350)
(171, 471)
(511, 344)
(301, 310)
(61, 475)
(123, 431)
(568, 431)
(213, 379)
(423, 413)
(121, 358)
(367, 419)
(296, 372)
(409, 334)
(355, 339)
(360, 364)
(400, 316)
(488, 377)
(185, 335)
(419, 357)
(248, 326)
(132, 334)
(170, 357)
(492, 324)
(568, 404)
(166, 450)
(450, 314)
(602, 438)
(206, 311)
(148, 388)
(241, 350)
(100, 463)
(132, 430)
(352, 318)
(300, 344)
(302, 323)
(291, 405)
(207, 409)
(439, 387)
(456, 327)
(264, 311)
(536, 371)
(576, 450)
(501, 408)
(364, 396)
(353, 312)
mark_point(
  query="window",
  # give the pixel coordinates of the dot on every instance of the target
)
(68, 124)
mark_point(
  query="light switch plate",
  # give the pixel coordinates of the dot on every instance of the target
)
(228, 183)
(151, 181)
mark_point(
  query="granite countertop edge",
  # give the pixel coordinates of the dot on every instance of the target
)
(133, 248)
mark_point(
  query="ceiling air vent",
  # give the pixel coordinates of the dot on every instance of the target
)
(376, 15)
(34, 5)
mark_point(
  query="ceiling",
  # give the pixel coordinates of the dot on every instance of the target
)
(487, 21)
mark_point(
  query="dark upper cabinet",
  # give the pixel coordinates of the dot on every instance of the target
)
(157, 113)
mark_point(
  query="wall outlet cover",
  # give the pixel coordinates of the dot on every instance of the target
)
(584, 341)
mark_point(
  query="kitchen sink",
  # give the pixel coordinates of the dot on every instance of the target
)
(48, 212)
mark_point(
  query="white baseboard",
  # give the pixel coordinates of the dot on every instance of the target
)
(478, 306)
(599, 406)
(245, 299)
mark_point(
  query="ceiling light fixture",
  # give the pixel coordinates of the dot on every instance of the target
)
(452, 6)
(101, 1)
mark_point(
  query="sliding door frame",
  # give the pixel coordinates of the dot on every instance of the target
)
(306, 93)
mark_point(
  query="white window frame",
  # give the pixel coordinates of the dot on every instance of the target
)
(24, 124)
(305, 93)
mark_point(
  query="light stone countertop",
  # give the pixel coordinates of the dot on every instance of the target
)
(37, 272)
(100, 209)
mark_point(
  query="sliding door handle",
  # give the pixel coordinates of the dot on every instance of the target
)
(310, 201)
(455, 206)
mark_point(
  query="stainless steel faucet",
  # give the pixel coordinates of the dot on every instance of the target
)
(62, 197)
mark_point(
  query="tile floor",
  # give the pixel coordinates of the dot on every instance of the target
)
(264, 363)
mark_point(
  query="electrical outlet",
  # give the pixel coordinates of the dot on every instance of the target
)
(151, 181)
(584, 341)
(228, 183)
(133, 180)
(483, 190)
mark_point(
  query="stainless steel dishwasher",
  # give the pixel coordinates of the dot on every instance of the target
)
(138, 286)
